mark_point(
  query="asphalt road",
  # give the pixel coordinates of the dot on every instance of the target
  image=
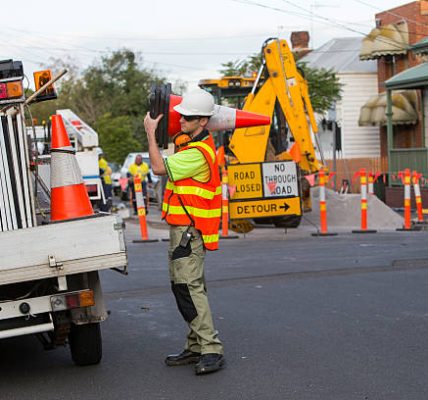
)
(335, 318)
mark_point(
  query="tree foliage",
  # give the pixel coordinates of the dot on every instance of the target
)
(111, 96)
(324, 85)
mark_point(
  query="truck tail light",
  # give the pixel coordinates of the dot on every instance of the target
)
(14, 89)
(11, 90)
(92, 188)
(3, 91)
(68, 301)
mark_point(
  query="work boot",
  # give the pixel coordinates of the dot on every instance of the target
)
(209, 362)
(183, 358)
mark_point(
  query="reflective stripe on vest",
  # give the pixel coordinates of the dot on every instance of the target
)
(197, 191)
(205, 146)
(193, 211)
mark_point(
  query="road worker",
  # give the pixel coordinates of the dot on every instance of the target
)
(192, 208)
(105, 174)
(140, 168)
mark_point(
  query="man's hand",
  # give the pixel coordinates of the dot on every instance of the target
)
(150, 124)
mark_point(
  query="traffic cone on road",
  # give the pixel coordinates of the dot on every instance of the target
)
(162, 101)
(69, 197)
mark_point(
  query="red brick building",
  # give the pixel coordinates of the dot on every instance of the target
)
(390, 43)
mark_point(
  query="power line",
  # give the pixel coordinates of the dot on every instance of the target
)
(310, 14)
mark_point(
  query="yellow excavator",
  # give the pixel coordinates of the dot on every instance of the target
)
(267, 164)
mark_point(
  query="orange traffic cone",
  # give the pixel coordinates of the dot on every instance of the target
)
(162, 101)
(69, 197)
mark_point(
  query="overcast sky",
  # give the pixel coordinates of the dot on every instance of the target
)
(186, 39)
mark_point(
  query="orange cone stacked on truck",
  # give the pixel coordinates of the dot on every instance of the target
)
(69, 197)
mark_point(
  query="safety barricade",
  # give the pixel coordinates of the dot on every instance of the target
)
(323, 207)
(418, 198)
(141, 210)
(364, 212)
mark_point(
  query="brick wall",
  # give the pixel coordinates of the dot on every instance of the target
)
(416, 15)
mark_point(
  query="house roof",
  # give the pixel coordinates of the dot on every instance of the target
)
(410, 78)
(421, 46)
(341, 55)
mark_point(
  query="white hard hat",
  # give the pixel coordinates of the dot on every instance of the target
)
(196, 102)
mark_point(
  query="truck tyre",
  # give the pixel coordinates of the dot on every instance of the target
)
(85, 343)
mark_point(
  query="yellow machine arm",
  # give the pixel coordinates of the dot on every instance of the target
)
(283, 85)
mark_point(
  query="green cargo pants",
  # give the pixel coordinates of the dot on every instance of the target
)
(186, 269)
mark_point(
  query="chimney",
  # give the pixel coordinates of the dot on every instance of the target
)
(300, 43)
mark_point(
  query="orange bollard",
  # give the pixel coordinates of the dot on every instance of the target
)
(141, 209)
(224, 203)
(363, 189)
(418, 197)
(224, 196)
(407, 201)
(370, 188)
(323, 207)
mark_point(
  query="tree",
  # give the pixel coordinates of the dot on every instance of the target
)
(116, 136)
(324, 87)
(113, 90)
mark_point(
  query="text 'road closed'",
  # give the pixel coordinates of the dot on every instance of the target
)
(247, 181)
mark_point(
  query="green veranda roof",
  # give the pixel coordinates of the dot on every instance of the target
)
(415, 77)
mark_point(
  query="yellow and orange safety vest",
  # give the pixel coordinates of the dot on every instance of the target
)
(201, 200)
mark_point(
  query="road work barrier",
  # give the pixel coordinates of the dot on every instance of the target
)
(370, 188)
(418, 198)
(224, 196)
(69, 197)
(323, 207)
(141, 210)
(363, 188)
(406, 178)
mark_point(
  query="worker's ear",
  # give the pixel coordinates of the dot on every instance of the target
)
(203, 122)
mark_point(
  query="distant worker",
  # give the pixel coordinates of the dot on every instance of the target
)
(105, 174)
(192, 208)
(140, 168)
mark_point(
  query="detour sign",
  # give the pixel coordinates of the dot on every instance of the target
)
(264, 190)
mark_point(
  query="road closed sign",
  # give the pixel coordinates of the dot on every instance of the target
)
(246, 180)
(267, 189)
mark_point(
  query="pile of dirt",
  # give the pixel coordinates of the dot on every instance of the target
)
(344, 210)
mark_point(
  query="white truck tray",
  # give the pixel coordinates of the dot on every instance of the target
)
(60, 249)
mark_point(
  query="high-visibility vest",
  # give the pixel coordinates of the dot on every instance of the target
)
(202, 201)
(141, 170)
(102, 164)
